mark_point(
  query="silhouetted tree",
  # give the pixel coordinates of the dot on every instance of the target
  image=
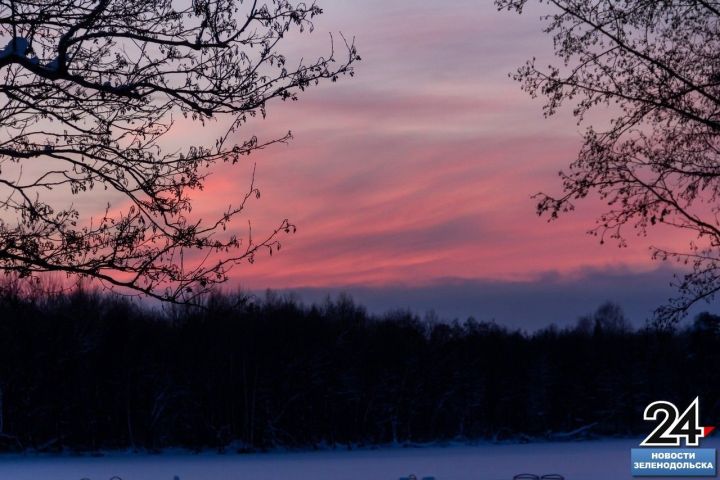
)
(609, 318)
(90, 89)
(90, 371)
(707, 324)
(651, 66)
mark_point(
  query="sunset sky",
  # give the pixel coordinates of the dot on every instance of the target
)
(411, 183)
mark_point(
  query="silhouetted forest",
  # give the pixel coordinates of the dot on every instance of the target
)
(87, 371)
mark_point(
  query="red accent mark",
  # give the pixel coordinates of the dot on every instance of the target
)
(707, 431)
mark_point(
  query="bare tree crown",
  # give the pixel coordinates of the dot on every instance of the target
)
(654, 66)
(89, 89)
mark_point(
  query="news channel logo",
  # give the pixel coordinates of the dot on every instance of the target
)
(673, 448)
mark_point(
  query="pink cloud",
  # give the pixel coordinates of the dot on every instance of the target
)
(420, 168)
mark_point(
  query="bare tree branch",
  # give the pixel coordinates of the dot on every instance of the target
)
(655, 65)
(91, 87)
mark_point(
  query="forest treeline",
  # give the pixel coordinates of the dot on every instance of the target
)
(89, 371)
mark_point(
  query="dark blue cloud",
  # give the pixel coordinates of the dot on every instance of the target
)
(550, 299)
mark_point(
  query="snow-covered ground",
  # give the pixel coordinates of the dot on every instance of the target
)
(592, 460)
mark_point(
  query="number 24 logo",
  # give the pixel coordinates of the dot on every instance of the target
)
(674, 426)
